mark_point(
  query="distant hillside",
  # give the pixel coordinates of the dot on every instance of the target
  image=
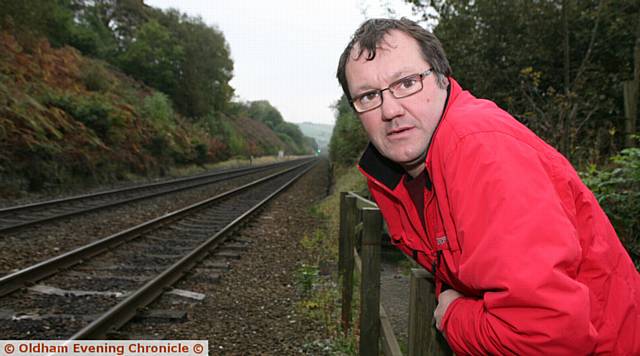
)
(66, 118)
(320, 132)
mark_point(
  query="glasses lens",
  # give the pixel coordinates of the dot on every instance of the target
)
(406, 86)
(368, 101)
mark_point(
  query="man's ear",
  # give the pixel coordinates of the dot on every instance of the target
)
(446, 82)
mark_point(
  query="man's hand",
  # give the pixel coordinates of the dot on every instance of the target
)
(444, 300)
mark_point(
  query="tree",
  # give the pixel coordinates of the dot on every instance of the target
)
(348, 139)
(262, 111)
(155, 57)
(508, 51)
(206, 67)
(206, 71)
(53, 19)
(121, 17)
(172, 52)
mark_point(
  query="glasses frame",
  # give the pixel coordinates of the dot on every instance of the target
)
(379, 91)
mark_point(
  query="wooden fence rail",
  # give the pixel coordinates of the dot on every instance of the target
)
(361, 230)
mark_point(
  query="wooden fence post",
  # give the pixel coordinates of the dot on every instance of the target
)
(370, 282)
(345, 260)
(424, 339)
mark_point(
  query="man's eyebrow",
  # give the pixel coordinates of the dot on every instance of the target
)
(403, 72)
(364, 88)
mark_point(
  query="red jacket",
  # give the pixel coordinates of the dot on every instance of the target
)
(511, 226)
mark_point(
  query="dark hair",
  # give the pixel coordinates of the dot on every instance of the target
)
(369, 35)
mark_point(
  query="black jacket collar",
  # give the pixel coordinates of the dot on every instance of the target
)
(381, 168)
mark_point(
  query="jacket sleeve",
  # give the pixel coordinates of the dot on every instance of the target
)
(519, 247)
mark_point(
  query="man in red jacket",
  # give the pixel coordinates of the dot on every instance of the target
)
(530, 262)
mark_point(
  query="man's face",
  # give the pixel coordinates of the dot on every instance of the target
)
(401, 128)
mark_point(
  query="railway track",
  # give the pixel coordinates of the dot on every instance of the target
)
(21, 216)
(97, 288)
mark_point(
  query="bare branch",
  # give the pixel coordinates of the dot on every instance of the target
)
(585, 59)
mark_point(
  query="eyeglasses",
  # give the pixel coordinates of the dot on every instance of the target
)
(401, 88)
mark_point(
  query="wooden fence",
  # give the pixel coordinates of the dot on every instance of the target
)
(361, 230)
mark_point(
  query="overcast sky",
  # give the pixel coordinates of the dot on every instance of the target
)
(286, 51)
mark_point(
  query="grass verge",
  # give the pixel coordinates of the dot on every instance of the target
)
(319, 278)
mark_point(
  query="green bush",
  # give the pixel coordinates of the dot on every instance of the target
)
(160, 146)
(617, 189)
(96, 77)
(214, 125)
(40, 168)
(93, 111)
(234, 139)
(157, 108)
(349, 138)
(202, 152)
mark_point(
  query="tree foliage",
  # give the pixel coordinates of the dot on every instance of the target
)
(172, 52)
(557, 65)
(71, 114)
(205, 67)
(264, 112)
(154, 57)
(348, 139)
(36, 17)
(617, 188)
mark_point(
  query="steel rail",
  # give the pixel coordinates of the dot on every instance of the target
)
(124, 311)
(208, 179)
(32, 274)
(133, 188)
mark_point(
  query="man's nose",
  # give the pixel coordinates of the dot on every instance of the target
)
(391, 107)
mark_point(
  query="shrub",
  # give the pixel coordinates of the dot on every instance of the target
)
(159, 146)
(157, 108)
(202, 151)
(234, 139)
(617, 189)
(96, 77)
(349, 138)
(93, 111)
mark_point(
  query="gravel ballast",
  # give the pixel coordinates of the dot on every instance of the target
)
(254, 306)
